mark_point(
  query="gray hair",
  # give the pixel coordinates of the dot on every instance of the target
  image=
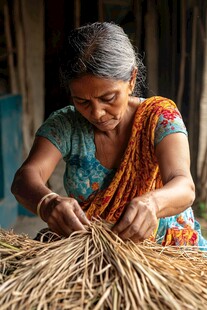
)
(103, 50)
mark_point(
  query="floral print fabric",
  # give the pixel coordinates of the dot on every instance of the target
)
(103, 192)
(73, 136)
(169, 123)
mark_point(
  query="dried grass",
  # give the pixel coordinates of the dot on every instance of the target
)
(94, 269)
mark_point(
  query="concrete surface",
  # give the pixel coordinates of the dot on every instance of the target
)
(28, 225)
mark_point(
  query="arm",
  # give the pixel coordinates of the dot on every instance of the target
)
(178, 193)
(29, 184)
(62, 214)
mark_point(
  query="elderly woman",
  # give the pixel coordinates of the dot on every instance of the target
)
(127, 158)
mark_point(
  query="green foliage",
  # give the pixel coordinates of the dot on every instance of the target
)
(201, 210)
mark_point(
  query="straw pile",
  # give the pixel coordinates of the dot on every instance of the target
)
(94, 269)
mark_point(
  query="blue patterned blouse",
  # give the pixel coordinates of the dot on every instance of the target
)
(73, 136)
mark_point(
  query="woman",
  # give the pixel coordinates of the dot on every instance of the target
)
(127, 159)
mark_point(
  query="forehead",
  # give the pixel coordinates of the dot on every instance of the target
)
(96, 86)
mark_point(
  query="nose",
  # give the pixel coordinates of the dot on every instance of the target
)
(97, 111)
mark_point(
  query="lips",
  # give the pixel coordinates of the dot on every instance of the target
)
(101, 123)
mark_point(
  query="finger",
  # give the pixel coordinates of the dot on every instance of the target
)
(77, 209)
(144, 231)
(126, 220)
(73, 215)
(81, 215)
(59, 229)
(57, 224)
(65, 226)
(132, 230)
(64, 223)
(138, 226)
(72, 221)
(142, 234)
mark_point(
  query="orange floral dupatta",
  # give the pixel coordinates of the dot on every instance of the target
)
(138, 172)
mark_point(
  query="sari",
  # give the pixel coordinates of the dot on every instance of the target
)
(139, 174)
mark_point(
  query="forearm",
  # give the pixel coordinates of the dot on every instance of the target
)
(28, 188)
(63, 215)
(176, 195)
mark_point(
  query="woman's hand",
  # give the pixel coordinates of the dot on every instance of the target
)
(139, 219)
(64, 215)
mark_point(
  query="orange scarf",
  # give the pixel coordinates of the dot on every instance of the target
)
(138, 172)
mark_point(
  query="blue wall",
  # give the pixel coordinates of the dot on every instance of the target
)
(10, 155)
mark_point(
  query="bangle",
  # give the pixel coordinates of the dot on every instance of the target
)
(41, 201)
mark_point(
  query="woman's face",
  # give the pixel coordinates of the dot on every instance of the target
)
(102, 102)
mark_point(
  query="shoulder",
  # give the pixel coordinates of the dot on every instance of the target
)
(170, 121)
(158, 106)
(67, 116)
(151, 108)
(66, 112)
(159, 101)
(59, 123)
(61, 127)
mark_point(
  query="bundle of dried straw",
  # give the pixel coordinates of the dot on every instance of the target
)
(94, 269)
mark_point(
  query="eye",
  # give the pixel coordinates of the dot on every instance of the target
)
(81, 102)
(108, 98)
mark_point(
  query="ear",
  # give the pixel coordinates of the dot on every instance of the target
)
(132, 81)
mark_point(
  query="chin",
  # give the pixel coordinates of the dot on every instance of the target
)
(108, 127)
